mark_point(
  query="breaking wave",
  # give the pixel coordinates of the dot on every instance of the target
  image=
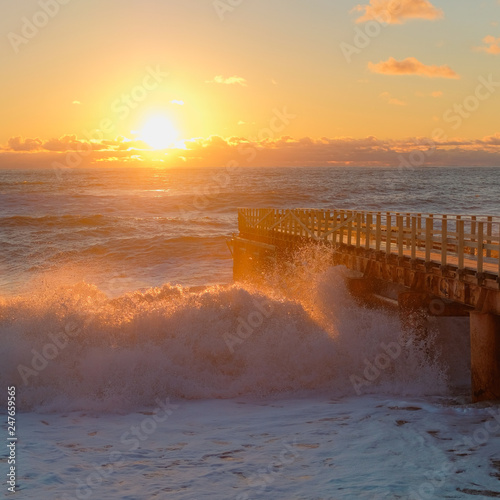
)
(74, 347)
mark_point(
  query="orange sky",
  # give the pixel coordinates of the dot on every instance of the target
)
(291, 83)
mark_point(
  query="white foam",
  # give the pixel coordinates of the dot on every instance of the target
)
(368, 447)
(169, 342)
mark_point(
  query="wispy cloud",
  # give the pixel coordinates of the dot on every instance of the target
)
(232, 80)
(76, 102)
(435, 94)
(391, 100)
(411, 66)
(398, 12)
(492, 45)
(178, 102)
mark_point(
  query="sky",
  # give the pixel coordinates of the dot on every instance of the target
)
(257, 82)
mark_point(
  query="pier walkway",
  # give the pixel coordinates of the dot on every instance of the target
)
(449, 261)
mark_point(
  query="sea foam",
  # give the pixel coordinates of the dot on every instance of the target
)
(73, 347)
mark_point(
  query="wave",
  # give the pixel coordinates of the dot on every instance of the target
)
(53, 220)
(144, 251)
(73, 347)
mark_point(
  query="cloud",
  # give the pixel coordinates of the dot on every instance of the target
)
(492, 45)
(178, 102)
(398, 11)
(279, 151)
(20, 144)
(435, 94)
(76, 102)
(72, 143)
(66, 143)
(411, 66)
(232, 80)
(391, 100)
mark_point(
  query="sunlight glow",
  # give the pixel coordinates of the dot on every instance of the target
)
(159, 132)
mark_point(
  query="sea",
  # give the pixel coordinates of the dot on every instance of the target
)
(135, 368)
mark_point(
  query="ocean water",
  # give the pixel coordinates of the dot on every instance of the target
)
(142, 371)
(122, 229)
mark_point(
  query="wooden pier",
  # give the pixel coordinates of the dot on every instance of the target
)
(446, 264)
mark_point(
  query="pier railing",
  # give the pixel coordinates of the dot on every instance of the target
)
(467, 243)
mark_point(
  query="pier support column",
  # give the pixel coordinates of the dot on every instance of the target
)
(485, 356)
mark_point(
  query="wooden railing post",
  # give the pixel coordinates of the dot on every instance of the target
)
(489, 232)
(388, 233)
(369, 218)
(408, 230)
(414, 222)
(349, 228)
(429, 236)
(399, 219)
(341, 229)
(419, 229)
(378, 232)
(473, 228)
(444, 240)
(359, 219)
(327, 222)
(460, 249)
(335, 224)
(480, 246)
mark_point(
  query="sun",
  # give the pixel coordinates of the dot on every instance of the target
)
(158, 132)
